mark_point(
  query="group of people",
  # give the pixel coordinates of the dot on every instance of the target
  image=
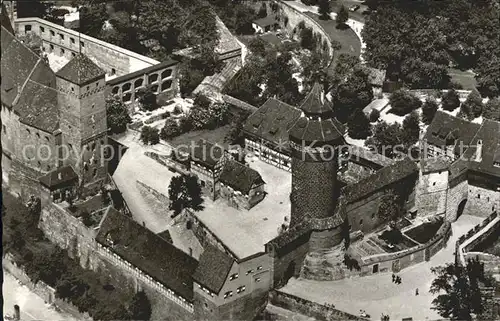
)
(396, 278)
(384, 317)
(362, 313)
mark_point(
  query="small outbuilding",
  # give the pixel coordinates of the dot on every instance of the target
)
(269, 23)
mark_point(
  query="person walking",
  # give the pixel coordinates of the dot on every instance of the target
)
(393, 278)
(416, 291)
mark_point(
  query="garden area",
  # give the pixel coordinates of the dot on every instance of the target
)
(425, 231)
(392, 240)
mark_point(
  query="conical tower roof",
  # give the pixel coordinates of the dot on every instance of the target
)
(315, 102)
(80, 70)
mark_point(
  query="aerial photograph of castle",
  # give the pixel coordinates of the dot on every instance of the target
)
(178, 160)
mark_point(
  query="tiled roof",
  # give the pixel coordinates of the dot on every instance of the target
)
(61, 176)
(213, 268)
(148, 252)
(272, 121)
(166, 236)
(310, 130)
(447, 128)
(488, 137)
(357, 152)
(380, 179)
(240, 177)
(206, 153)
(28, 85)
(434, 164)
(80, 70)
(315, 102)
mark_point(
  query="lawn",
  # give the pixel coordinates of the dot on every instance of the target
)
(464, 78)
(214, 136)
(424, 232)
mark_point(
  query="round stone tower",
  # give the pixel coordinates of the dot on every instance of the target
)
(314, 141)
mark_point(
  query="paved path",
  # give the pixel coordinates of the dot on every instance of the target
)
(377, 294)
(32, 306)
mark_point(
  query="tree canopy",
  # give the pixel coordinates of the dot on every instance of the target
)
(117, 115)
(184, 192)
(403, 102)
(359, 125)
(429, 109)
(324, 9)
(417, 41)
(450, 100)
(458, 287)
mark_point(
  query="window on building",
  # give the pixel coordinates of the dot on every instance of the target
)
(42, 29)
(62, 51)
(259, 268)
(152, 78)
(27, 28)
(115, 90)
(257, 280)
(52, 33)
(127, 97)
(28, 131)
(166, 73)
(478, 196)
(72, 40)
(48, 168)
(126, 86)
(113, 71)
(73, 54)
(61, 36)
(233, 276)
(4, 129)
(51, 47)
(154, 88)
(39, 164)
(82, 44)
(249, 271)
(166, 85)
(37, 135)
(93, 105)
(240, 289)
(94, 173)
(228, 294)
(138, 83)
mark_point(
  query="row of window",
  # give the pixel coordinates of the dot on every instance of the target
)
(235, 275)
(53, 34)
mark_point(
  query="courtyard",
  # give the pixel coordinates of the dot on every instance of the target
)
(376, 294)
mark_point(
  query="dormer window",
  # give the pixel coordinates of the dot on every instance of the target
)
(233, 276)
(228, 294)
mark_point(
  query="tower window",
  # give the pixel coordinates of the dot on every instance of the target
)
(37, 135)
(51, 47)
(27, 28)
(73, 54)
(93, 105)
(82, 44)
(233, 276)
(28, 131)
(113, 71)
(61, 36)
(42, 29)
(52, 33)
(72, 40)
(62, 51)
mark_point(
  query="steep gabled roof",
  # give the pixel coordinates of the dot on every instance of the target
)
(206, 153)
(272, 121)
(240, 177)
(434, 164)
(80, 70)
(213, 268)
(446, 128)
(5, 20)
(61, 176)
(148, 252)
(325, 130)
(488, 137)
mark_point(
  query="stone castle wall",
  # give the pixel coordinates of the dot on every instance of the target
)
(431, 193)
(288, 260)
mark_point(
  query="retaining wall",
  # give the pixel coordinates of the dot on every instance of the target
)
(309, 308)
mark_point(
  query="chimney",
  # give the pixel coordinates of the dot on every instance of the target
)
(479, 151)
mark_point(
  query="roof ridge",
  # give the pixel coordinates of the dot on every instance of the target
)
(26, 81)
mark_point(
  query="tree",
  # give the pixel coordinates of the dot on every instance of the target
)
(170, 129)
(462, 297)
(140, 307)
(374, 115)
(429, 109)
(150, 135)
(342, 17)
(411, 128)
(190, 77)
(235, 134)
(184, 192)
(403, 102)
(147, 98)
(306, 38)
(450, 100)
(492, 109)
(386, 138)
(353, 93)
(473, 105)
(117, 115)
(389, 208)
(33, 8)
(324, 9)
(488, 75)
(258, 46)
(359, 125)
(262, 11)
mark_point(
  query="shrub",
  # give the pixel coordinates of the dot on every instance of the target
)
(150, 135)
(374, 115)
(403, 102)
(450, 100)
